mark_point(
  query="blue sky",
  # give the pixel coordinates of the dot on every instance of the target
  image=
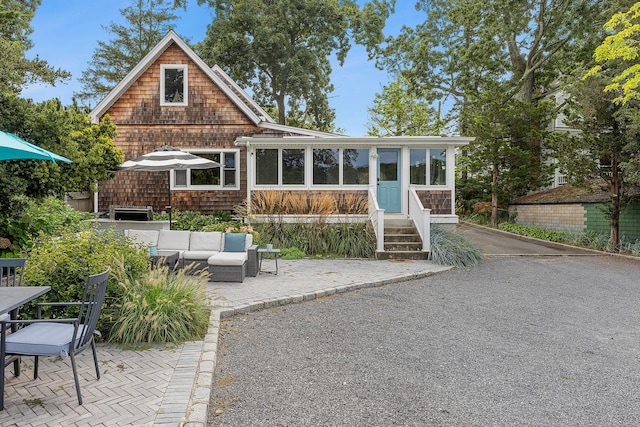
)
(66, 33)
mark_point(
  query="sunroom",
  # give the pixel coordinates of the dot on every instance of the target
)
(368, 178)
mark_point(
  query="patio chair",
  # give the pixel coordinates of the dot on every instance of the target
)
(11, 270)
(58, 337)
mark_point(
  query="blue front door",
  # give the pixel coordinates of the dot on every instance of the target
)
(389, 186)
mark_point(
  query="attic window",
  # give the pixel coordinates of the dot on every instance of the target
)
(173, 84)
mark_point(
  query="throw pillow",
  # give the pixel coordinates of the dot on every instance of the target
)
(234, 242)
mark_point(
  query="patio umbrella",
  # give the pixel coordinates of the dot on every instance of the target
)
(167, 159)
(13, 147)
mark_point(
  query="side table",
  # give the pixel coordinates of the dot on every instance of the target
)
(262, 253)
(166, 259)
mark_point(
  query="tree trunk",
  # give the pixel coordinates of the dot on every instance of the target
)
(281, 108)
(615, 205)
(494, 197)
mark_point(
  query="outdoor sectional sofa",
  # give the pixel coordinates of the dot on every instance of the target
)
(229, 257)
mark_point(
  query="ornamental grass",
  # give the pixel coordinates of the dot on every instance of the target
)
(161, 307)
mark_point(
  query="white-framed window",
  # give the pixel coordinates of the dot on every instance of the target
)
(428, 166)
(326, 166)
(173, 84)
(227, 176)
(340, 166)
(280, 166)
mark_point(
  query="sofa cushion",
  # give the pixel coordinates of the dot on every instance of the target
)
(173, 240)
(145, 237)
(198, 255)
(228, 258)
(235, 242)
(205, 241)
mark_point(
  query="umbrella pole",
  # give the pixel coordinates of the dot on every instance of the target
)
(169, 208)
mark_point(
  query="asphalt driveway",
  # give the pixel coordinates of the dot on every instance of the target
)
(518, 340)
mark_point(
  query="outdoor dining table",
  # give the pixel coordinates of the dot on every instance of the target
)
(13, 297)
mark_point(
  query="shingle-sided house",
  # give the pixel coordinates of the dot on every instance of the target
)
(172, 98)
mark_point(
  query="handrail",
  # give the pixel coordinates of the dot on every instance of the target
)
(421, 217)
(376, 216)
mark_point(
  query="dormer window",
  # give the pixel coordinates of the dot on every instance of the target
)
(173, 84)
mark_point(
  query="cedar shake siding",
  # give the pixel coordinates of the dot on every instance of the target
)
(210, 120)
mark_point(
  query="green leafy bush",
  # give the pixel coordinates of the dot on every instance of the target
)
(161, 307)
(29, 218)
(65, 262)
(291, 253)
(537, 233)
(451, 248)
(193, 221)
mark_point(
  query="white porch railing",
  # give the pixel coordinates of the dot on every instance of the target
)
(376, 216)
(421, 217)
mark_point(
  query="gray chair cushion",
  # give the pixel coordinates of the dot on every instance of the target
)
(42, 339)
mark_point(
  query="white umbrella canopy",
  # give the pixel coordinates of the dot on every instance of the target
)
(167, 159)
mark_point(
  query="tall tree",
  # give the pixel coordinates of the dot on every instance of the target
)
(281, 49)
(599, 153)
(480, 54)
(621, 48)
(16, 70)
(397, 111)
(147, 21)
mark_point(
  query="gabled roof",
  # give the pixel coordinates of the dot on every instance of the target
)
(150, 58)
(226, 84)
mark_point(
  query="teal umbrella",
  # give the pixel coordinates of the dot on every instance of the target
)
(13, 147)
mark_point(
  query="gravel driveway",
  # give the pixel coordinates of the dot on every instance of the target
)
(521, 341)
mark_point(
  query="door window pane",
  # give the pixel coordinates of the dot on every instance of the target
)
(266, 166)
(388, 165)
(355, 164)
(418, 166)
(292, 166)
(325, 166)
(438, 166)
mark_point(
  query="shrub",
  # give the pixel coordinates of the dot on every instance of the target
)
(537, 233)
(161, 307)
(193, 221)
(450, 248)
(65, 262)
(291, 253)
(353, 240)
(29, 218)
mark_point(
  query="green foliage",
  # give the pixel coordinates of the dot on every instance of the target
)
(15, 29)
(281, 49)
(161, 307)
(292, 253)
(397, 111)
(27, 219)
(147, 22)
(621, 46)
(195, 221)
(67, 131)
(537, 233)
(351, 240)
(64, 262)
(451, 248)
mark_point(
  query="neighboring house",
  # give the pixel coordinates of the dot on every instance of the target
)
(575, 210)
(173, 98)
